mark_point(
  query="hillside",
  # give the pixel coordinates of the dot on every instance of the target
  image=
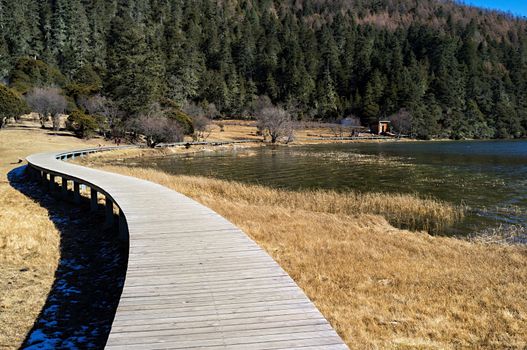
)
(437, 68)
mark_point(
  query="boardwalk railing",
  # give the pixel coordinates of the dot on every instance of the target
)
(193, 279)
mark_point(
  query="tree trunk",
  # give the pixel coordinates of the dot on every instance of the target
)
(55, 119)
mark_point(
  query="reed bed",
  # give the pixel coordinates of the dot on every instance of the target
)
(400, 210)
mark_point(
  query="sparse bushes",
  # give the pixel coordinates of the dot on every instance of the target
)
(83, 125)
(47, 102)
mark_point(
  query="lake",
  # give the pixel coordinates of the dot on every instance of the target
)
(488, 177)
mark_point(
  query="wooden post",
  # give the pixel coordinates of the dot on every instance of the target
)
(76, 192)
(64, 188)
(123, 226)
(51, 182)
(109, 211)
(43, 178)
(94, 204)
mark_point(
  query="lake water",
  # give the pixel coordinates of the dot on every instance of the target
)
(489, 177)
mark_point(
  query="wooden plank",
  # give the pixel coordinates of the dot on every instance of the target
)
(194, 280)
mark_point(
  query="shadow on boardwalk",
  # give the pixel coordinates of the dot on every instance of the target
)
(81, 305)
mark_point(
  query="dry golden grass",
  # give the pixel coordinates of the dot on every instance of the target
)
(29, 242)
(246, 130)
(379, 286)
(400, 210)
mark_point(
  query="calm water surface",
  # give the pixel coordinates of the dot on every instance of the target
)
(489, 177)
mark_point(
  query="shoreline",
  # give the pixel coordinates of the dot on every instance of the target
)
(501, 234)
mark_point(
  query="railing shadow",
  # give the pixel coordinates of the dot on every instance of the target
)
(81, 305)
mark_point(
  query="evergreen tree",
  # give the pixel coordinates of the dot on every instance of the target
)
(133, 71)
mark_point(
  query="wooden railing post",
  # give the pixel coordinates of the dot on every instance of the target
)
(94, 203)
(43, 178)
(109, 211)
(123, 226)
(76, 192)
(64, 187)
(51, 182)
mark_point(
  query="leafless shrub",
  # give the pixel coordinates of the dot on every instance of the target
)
(158, 129)
(208, 110)
(201, 126)
(503, 235)
(275, 122)
(200, 118)
(47, 102)
(401, 122)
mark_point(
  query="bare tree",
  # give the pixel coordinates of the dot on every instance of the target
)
(201, 126)
(158, 129)
(401, 121)
(47, 102)
(200, 119)
(289, 130)
(276, 122)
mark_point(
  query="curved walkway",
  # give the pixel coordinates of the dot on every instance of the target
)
(193, 280)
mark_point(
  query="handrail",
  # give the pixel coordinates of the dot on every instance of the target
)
(39, 171)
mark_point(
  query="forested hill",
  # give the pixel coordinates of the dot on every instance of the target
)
(458, 71)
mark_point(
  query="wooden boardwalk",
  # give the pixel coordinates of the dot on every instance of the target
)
(194, 280)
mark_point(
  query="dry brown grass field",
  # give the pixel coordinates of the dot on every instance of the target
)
(29, 241)
(306, 133)
(379, 286)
